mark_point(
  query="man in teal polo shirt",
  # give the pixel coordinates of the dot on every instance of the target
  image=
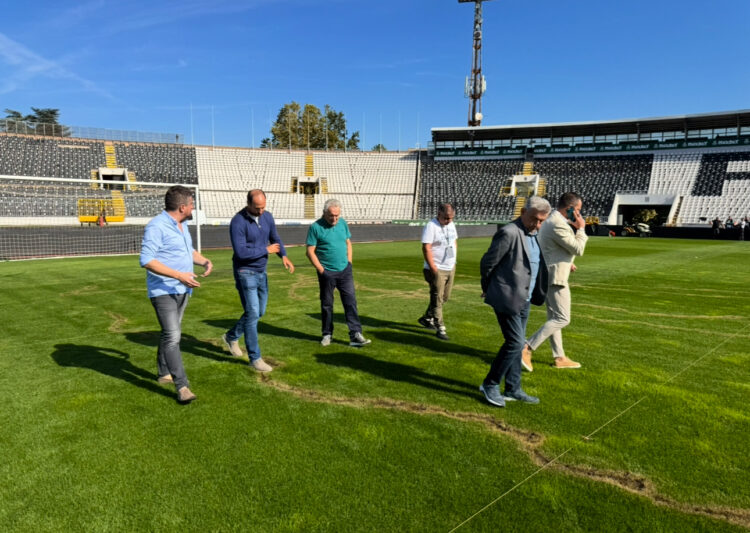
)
(329, 249)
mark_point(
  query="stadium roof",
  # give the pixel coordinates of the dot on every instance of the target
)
(725, 119)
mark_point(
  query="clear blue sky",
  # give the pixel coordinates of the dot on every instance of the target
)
(396, 68)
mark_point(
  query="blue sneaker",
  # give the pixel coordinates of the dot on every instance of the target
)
(492, 394)
(521, 396)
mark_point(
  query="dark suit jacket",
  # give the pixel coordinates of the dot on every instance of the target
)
(506, 271)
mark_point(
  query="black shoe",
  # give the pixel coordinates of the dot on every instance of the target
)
(442, 335)
(429, 323)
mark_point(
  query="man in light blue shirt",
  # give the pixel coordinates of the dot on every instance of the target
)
(168, 255)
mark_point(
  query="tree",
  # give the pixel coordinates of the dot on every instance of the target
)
(379, 148)
(298, 127)
(44, 121)
(15, 122)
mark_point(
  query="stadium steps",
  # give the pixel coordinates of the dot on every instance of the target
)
(676, 216)
(94, 179)
(309, 206)
(520, 203)
(109, 155)
(118, 208)
(324, 185)
(309, 168)
(541, 189)
(293, 187)
(131, 179)
(528, 168)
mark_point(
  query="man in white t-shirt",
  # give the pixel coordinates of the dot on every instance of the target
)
(439, 249)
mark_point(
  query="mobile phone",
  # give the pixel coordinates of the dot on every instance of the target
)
(571, 212)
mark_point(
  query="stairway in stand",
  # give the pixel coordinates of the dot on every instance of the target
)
(309, 206)
(520, 203)
(118, 207)
(673, 222)
(109, 155)
(541, 189)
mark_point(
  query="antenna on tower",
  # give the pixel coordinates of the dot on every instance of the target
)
(475, 84)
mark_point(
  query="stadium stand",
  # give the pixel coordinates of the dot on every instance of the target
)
(475, 188)
(702, 182)
(596, 179)
(23, 155)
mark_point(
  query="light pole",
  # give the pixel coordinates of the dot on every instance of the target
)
(475, 83)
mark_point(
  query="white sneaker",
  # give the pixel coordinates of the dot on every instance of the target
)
(232, 346)
(326, 340)
(261, 366)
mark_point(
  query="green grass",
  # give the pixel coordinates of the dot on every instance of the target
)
(650, 435)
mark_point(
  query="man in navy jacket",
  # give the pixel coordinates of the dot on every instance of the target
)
(254, 237)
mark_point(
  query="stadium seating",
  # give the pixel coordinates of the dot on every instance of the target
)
(596, 179)
(24, 155)
(371, 186)
(473, 187)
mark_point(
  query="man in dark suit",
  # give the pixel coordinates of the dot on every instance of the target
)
(513, 276)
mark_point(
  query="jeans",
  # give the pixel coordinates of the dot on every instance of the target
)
(440, 291)
(507, 364)
(253, 289)
(344, 282)
(169, 310)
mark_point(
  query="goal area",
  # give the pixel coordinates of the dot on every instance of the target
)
(56, 217)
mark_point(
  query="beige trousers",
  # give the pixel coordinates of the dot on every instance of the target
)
(558, 316)
(440, 291)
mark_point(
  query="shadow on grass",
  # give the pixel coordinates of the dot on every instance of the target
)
(396, 372)
(416, 335)
(188, 344)
(266, 329)
(107, 361)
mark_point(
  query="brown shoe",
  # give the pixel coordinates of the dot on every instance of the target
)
(261, 366)
(184, 395)
(165, 379)
(564, 362)
(526, 359)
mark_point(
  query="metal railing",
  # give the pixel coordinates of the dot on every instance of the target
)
(82, 132)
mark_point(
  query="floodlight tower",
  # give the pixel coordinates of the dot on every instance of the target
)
(475, 84)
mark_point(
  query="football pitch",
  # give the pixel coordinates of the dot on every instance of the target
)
(652, 434)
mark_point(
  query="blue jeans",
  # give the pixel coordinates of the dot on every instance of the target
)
(169, 310)
(507, 364)
(253, 289)
(344, 282)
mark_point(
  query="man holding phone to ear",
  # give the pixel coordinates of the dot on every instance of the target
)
(562, 238)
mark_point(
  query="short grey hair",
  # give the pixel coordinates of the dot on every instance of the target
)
(332, 202)
(538, 204)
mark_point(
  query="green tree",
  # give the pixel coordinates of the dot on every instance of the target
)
(298, 127)
(15, 122)
(379, 148)
(43, 121)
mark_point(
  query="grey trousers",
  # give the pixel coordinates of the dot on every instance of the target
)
(169, 310)
(558, 316)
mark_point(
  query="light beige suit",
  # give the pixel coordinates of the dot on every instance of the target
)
(560, 244)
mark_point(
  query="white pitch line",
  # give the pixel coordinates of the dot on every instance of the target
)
(618, 415)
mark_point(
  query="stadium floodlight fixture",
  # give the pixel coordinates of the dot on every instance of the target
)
(475, 83)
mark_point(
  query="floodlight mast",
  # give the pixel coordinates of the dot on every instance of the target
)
(475, 84)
